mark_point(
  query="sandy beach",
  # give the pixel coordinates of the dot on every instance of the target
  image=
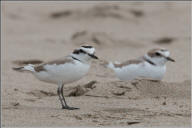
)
(43, 31)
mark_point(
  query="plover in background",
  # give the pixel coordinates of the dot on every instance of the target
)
(151, 66)
(62, 71)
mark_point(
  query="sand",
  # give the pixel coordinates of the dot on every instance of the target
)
(120, 31)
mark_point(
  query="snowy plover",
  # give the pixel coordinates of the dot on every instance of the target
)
(62, 71)
(150, 66)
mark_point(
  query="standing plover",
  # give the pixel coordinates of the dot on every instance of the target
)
(150, 66)
(62, 71)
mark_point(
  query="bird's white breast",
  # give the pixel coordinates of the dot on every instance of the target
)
(65, 73)
(142, 70)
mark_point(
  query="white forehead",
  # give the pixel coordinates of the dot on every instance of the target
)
(88, 50)
(165, 53)
(162, 51)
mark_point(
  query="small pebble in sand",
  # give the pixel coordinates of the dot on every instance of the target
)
(164, 103)
(15, 103)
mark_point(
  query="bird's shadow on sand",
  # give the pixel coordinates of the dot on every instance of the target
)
(27, 107)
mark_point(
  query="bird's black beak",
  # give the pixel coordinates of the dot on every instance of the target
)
(93, 56)
(170, 59)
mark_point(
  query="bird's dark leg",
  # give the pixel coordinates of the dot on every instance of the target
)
(59, 94)
(66, 106)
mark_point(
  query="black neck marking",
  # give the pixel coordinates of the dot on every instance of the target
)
(149, 61)
(75, 59)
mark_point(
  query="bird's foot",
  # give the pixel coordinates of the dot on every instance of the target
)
(69, 108)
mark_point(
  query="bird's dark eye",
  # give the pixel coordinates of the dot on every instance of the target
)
(157, 54)
(78, 51)
(81, 51)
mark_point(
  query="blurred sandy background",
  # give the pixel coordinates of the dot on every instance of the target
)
(119, 31)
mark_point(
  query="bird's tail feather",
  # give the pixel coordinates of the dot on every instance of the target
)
(28, 67)
(110, 65)
(107, 64)
(18, 68)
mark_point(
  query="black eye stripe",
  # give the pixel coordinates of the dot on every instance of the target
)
(157, 54)
(77, 51)
(82, 51)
